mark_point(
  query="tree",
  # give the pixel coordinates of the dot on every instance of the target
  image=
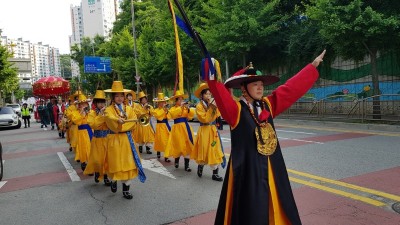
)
(8, 73)
(88, 47)
(359, 28)
(65, 61)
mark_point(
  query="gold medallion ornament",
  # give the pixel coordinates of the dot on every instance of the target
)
(266, 144)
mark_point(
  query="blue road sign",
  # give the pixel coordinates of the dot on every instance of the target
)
(94, 64)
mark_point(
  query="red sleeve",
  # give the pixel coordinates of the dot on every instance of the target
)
(285, 95)
(226, 104)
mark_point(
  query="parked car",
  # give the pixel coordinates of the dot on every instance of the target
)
(8, 118)
(16, 108)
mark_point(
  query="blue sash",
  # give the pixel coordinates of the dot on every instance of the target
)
(223, 164)
(184, 120)
(101, 133)
(166, 123)
(142, 176)
(88, 128)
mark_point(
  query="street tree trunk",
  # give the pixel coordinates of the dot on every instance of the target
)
(376, 105)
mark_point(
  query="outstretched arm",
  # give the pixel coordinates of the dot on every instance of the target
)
(226, 104)
(294, 88)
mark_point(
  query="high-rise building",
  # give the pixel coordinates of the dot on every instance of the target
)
(77, 34)
(91, 18)
(32, 60)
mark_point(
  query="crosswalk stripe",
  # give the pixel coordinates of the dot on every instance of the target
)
(71, 172)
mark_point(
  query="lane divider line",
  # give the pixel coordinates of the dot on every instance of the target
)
(2, 183)
(71, 172)
(339, 192)
(294, 139)
(347, 185)
(296, 132)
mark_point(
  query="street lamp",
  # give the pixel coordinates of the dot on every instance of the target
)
(137, 76)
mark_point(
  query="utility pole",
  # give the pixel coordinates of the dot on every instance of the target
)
(137, 76)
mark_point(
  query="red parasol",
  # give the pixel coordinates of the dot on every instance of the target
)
(48, 86)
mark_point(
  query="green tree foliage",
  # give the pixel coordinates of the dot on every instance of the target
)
(8, 73)
(65, 61)
(359, 28)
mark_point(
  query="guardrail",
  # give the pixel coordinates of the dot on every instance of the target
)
(384, 108)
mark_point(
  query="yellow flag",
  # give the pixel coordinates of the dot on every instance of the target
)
(178, 50)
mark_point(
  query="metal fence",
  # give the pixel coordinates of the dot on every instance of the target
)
(384, 108)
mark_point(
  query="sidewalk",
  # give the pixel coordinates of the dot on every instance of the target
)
(340, 125)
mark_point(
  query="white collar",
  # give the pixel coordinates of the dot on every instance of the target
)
(251, 105)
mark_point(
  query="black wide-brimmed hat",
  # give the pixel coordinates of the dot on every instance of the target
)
(248, 75)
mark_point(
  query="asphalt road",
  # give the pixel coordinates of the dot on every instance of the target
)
(340, 174)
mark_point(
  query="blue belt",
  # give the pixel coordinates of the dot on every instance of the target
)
(219, 136)
(112, 132)
(207, 124)
(166, 123)
(100, 133)
(88, 128)
(184, 120)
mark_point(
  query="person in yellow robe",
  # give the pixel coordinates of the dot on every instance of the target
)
(181, 139)
(144, 134)
(124, 163)
(85, 132)
(72, 128)
(162, 128)
(98, 152)
(207, 149)
(130, 98)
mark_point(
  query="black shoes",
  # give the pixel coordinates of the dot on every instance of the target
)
(187, 169)
(107, 182)
(167, 160)
(96, 177)
(176, 162)
(148, 150)
(158, 154)
(140, 149)
(113, 186)
(83, 166)
(215, 176)
(200, 170)
(52, 127)
(125, 191)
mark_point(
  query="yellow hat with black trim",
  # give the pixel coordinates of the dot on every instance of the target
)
(100, 94)
(198, 91)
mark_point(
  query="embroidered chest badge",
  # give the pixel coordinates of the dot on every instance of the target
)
(267, 141)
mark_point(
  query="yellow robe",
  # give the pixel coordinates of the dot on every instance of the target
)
(98, 151)
(73, 129)
(162, 132)
(121, 165)
(207, 148)
(179, 143)
(144, 134)
(83, 139)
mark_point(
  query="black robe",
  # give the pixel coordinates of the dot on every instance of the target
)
(251, 191)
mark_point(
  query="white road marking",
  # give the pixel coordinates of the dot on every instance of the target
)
(2, 183)
(297, 132)
(293, 139)
(155, 166)
(225, 139)
(71, 172)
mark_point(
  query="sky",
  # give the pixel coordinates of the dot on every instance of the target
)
(46, 21)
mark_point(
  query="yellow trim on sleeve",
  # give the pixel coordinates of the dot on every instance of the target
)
(238, 116)
(269, 105)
